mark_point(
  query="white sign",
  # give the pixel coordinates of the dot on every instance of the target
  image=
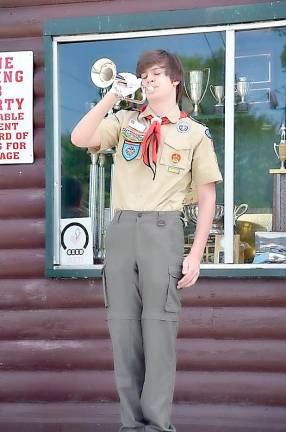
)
(16, 107)
(76, 242)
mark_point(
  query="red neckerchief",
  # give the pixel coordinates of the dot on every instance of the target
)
(151, 140)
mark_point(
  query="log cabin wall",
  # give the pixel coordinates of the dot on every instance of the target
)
(55, 354)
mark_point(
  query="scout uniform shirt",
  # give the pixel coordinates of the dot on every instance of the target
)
(185, 155)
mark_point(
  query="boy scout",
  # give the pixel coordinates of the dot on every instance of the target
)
(160, 152)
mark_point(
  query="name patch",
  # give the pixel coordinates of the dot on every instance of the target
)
(137, 125)
(174, 169)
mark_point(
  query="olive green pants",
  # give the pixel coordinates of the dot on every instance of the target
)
(144, 254)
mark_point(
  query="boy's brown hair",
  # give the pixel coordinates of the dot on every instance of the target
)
(170, 62)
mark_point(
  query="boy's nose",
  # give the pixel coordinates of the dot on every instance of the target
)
(150, 79)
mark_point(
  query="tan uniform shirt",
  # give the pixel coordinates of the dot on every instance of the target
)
(185, 157)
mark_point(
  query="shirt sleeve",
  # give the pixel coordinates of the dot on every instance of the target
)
(109, 131)
(205, 167)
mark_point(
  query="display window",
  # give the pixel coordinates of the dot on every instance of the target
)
(234, 83)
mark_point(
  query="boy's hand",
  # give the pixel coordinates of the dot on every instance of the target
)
(191, 272)
(131, 84)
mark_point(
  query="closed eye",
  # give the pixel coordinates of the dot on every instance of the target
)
(154, 72)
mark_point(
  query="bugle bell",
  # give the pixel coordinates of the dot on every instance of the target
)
(103, 74)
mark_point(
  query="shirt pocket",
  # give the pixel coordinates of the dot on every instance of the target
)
(176, 154)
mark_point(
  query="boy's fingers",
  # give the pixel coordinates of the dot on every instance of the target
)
(188, 280)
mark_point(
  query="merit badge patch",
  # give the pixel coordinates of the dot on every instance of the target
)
(130, 151)
(175, 158)
(183, 126)
(208, 134)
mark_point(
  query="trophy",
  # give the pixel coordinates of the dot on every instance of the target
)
(218, 93)
(194, 86)
(242, 88)
(191, 212)
(281, 153)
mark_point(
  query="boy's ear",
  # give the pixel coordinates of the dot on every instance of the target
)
(175, 83)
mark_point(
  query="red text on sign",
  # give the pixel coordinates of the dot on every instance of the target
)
(6, 62)
(11, 103)
(9, 155)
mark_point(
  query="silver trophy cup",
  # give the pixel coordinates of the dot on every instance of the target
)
(242, 89)
(195, 88)
(218, 94)
(281, 153)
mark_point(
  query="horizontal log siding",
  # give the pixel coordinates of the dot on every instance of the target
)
(54, 344)
(24, 176)
(193, 355)
(46, 294)
(195, 417)
(97, 385)
(234, 323)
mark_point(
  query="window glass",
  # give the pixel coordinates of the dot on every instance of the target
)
(86, 178)
(260, 100)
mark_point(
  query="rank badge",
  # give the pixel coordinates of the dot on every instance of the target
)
(175, 158)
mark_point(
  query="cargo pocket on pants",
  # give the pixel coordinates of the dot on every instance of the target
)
(173, 301)
(104, 286)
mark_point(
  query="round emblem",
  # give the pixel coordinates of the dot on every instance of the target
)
(176, 158)
(208, 134)
(183, 126)
(74, 240)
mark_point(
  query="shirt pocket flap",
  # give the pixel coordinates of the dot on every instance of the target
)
(176, 153)
(178, 143)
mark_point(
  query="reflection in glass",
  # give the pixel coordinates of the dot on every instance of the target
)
(210, 59)
(261, 57)
(218, 93)
(196, 85)
(71, 198)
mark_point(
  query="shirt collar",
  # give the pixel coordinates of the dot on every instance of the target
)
(173, 115)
